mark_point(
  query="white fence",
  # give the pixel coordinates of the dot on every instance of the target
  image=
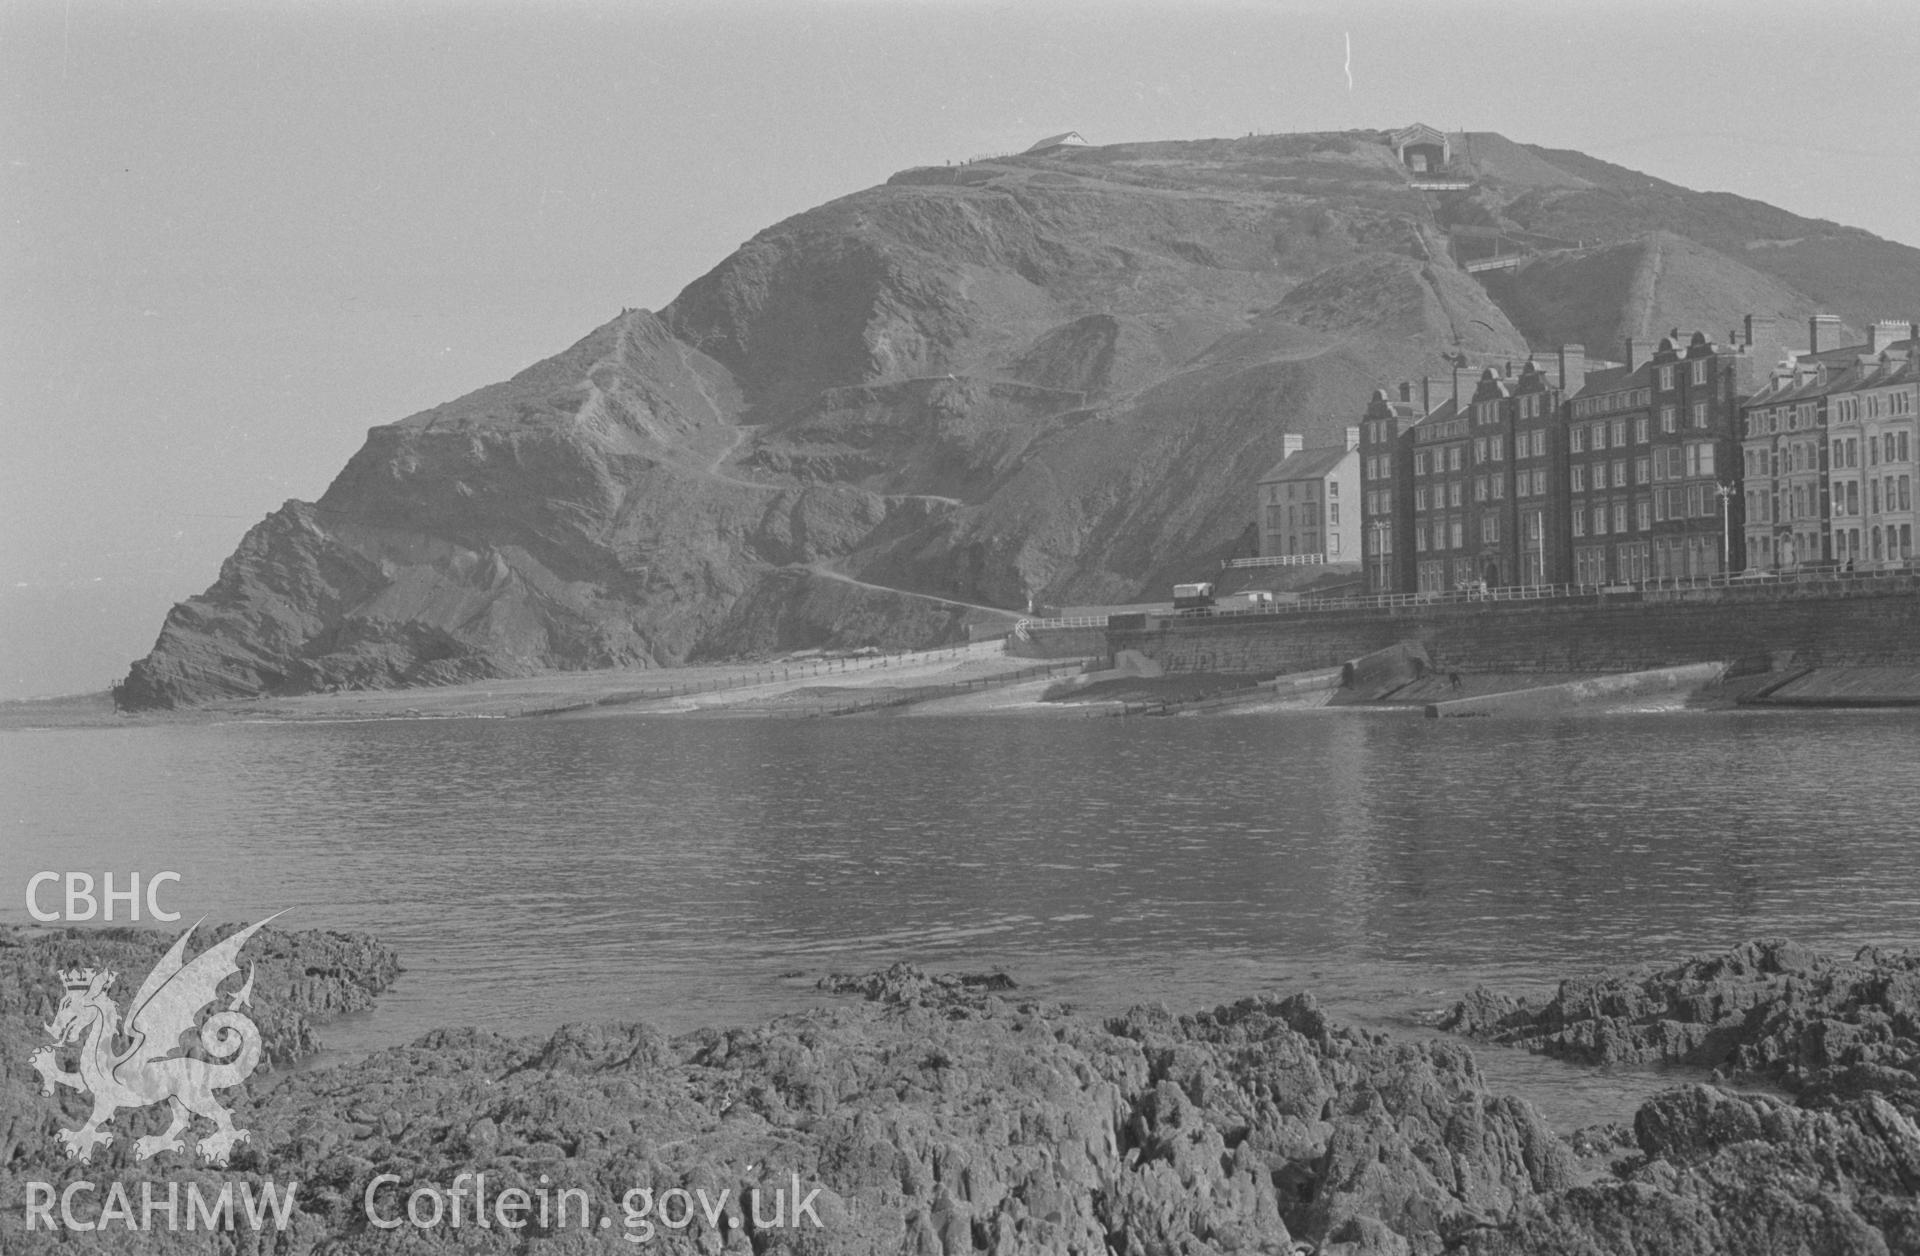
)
(1279, 560)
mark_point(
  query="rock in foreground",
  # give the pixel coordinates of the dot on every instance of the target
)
(944, 1115)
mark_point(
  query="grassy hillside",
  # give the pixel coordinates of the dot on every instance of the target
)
(1055, 377)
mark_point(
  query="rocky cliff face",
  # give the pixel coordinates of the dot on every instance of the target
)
(1053, 376)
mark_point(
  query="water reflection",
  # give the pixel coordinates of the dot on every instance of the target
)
(680, 871)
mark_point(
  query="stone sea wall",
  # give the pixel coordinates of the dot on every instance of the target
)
(1874, 622)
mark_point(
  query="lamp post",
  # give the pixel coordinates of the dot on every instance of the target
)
(1726, 528)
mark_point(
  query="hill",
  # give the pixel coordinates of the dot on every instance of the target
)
(1054, 377)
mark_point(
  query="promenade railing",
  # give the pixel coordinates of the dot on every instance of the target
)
(1821, 579)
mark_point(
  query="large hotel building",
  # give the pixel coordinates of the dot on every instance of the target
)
(1692, 458)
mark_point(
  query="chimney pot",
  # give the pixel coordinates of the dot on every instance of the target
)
(1353, 433)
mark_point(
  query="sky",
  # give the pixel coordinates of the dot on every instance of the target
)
(234, 236)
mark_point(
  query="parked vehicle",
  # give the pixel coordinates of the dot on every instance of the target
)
(1193, 599)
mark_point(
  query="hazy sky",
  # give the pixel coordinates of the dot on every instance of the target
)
(238, 235)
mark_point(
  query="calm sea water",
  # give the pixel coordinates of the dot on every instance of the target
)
(698, 872)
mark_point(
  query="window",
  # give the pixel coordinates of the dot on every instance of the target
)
(1599, 475)
(1499, 487)
(1490, 528)
(1480, 488)
(1540, 443)
(1700, 458)
(1669, 418)
(1643, 470)
(1420, 462)
(1420, 538)
(1666, 379)
(1577, 477)
(1599, 436)
(1333, 513)
(1453, 493)
(1599, 520)
(1453, 457)
(1497, 448)
(1620, 516)
(1641, 434)
(1577, 440)
(1643, 514)
(1619, 434)
(1458, 530)
(1333, 542)
(1699, 414)
(1420, 498)
(1479, 450)
(1579, 523)
(1620, 473)
(1700, 371)
(1540, 482)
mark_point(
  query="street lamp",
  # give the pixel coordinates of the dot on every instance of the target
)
(1726, 528)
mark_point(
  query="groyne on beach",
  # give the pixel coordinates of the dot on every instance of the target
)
(924, 1113)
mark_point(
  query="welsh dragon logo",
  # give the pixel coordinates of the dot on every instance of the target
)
(151, 1067)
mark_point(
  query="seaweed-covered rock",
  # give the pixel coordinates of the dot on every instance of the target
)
(1768, 1011)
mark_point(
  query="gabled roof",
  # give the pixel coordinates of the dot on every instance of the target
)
(1065, 138)
(1418, 133)
(1308, 464)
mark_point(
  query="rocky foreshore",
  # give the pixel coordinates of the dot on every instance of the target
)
(948, 1114)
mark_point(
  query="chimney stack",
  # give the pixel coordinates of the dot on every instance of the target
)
(1762, 332)
(1353, 433)
(1573, 368)
(1823, 333)
(1465, 379)
(1406, 391)
(1639, 351)
(1884, 334)
(1291, 443)
(1426, 395)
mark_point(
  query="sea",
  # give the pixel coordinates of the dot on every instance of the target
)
(690, 872)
